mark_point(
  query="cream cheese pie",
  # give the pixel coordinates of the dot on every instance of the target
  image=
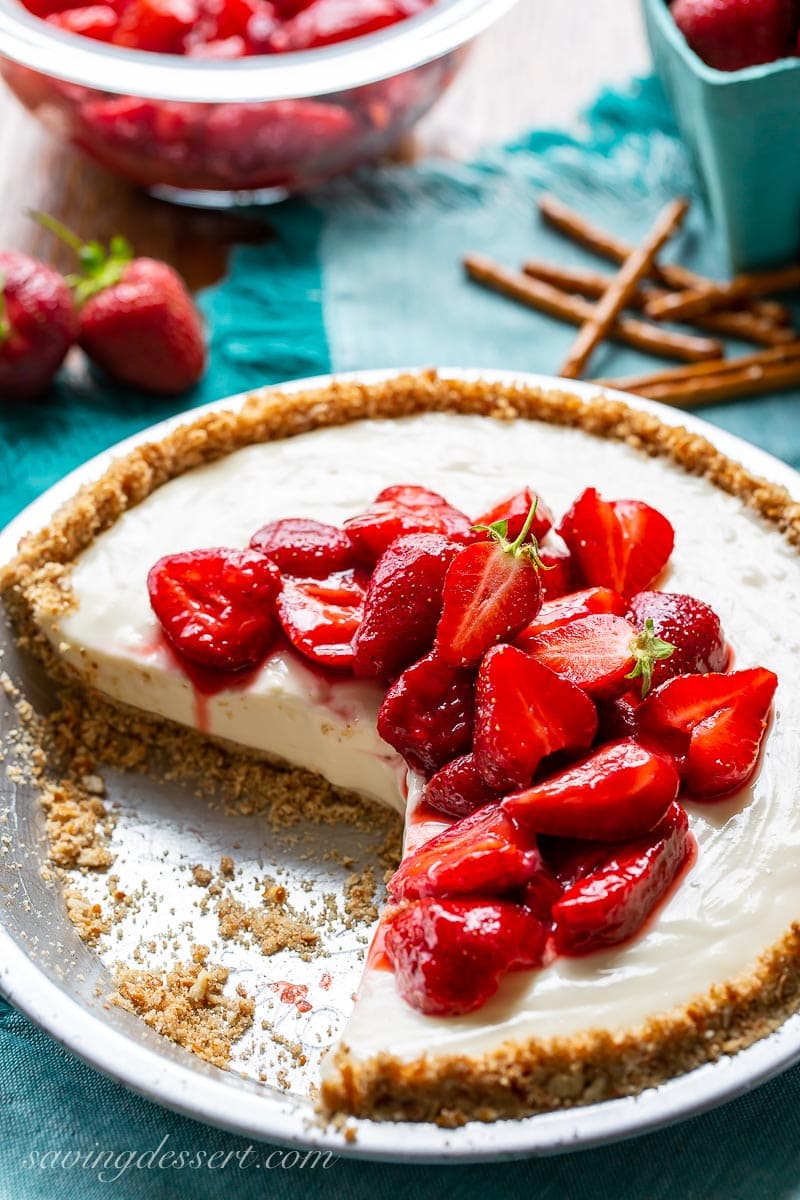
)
(712, 963)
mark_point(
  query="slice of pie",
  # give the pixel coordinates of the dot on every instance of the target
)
(713, 963)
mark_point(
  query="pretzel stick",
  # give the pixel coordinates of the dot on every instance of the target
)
(714, 389)
(560, 217)
(544, 298)
(716, 366)
(737, 324)
(623, 285)
(692, 302)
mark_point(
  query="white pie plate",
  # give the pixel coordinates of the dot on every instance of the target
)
(48, 974)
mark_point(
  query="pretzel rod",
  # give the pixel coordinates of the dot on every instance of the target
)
(559, 216)
(740, 324)
(615, 298)
(547, 299)
(692, 302)
(714, 389)
(716, 366)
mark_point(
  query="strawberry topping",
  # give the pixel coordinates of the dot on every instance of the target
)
(558, 576)
(405, 508)
(321, 616)
(404, 600)
(565, 608)
(309, 549)
(619, 792)
(448, 955)
(484, 854)
(714, 723)
(523, 712)
(691, 626)
(491, 591)
(216, 607)
(427, 713)
(612, 902)
(514, 512)
(458, 788)
(620, 544)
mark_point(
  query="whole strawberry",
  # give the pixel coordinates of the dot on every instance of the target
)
(137, 320)
(731, 34)
(38, 324)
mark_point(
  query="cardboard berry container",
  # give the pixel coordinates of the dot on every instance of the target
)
(742, 128)
(251, 130)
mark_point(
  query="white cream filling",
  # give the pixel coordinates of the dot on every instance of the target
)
(743, 892)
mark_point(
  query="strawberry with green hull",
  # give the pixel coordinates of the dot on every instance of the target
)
(38, 324)
(492, 590)
(137, 322)
(611, 903)
(524, 712)
(514, 511)
(689, 625)
(448, 955)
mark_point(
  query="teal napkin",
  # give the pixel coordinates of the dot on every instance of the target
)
(368, 274)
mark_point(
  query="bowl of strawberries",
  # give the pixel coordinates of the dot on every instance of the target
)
(731, 69)
(223, 101)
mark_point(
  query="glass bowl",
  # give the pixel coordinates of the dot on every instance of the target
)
(256, 129)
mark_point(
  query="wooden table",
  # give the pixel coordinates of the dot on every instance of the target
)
(536, 67)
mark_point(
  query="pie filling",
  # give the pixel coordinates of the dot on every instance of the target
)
(739, 894)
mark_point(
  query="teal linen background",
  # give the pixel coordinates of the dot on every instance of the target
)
(368, 274)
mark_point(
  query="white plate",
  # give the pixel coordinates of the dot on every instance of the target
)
(51, 976)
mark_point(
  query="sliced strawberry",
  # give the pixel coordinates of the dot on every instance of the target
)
(690, 625)
(611, 904)
(541, 893)
(514, 512)
(598, 653)
(524, 711)
(309, 549)
(715, 723)
(619, 792)
(404, 600)
(491, 591)
(400, 509)
(485, 854)
(217, 606)
(558, 576)
(320, 618)
(458, 788)
(566, 608)
(569, 860)
(448, 955)
(620, 544)
(618, 717)
(427, 713)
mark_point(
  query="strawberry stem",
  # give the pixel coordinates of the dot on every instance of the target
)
(101, 268)
(519, 548)
(648, 649)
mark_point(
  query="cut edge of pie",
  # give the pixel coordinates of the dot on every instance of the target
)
(516, 1078)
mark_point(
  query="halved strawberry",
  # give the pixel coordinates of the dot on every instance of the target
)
(524, 711)
(558, 576)
(320, 618)
(491, 591)
(611, 903)
(714, 723)
(427, 713)
(621, 544)
(690, 625)
(484, 854)
(563, 609)
(619, 792)
(403, 604)
(448, 955)
(599, 653)
(458, 788)
(541, 893)
(216, 606)
(306, 548)
(514, 511)
(400, 509)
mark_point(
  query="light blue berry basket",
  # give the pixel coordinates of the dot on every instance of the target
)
(743, 128)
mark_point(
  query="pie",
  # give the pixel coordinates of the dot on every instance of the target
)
(716, 966)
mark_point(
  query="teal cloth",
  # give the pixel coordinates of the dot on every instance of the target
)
(368, 274)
